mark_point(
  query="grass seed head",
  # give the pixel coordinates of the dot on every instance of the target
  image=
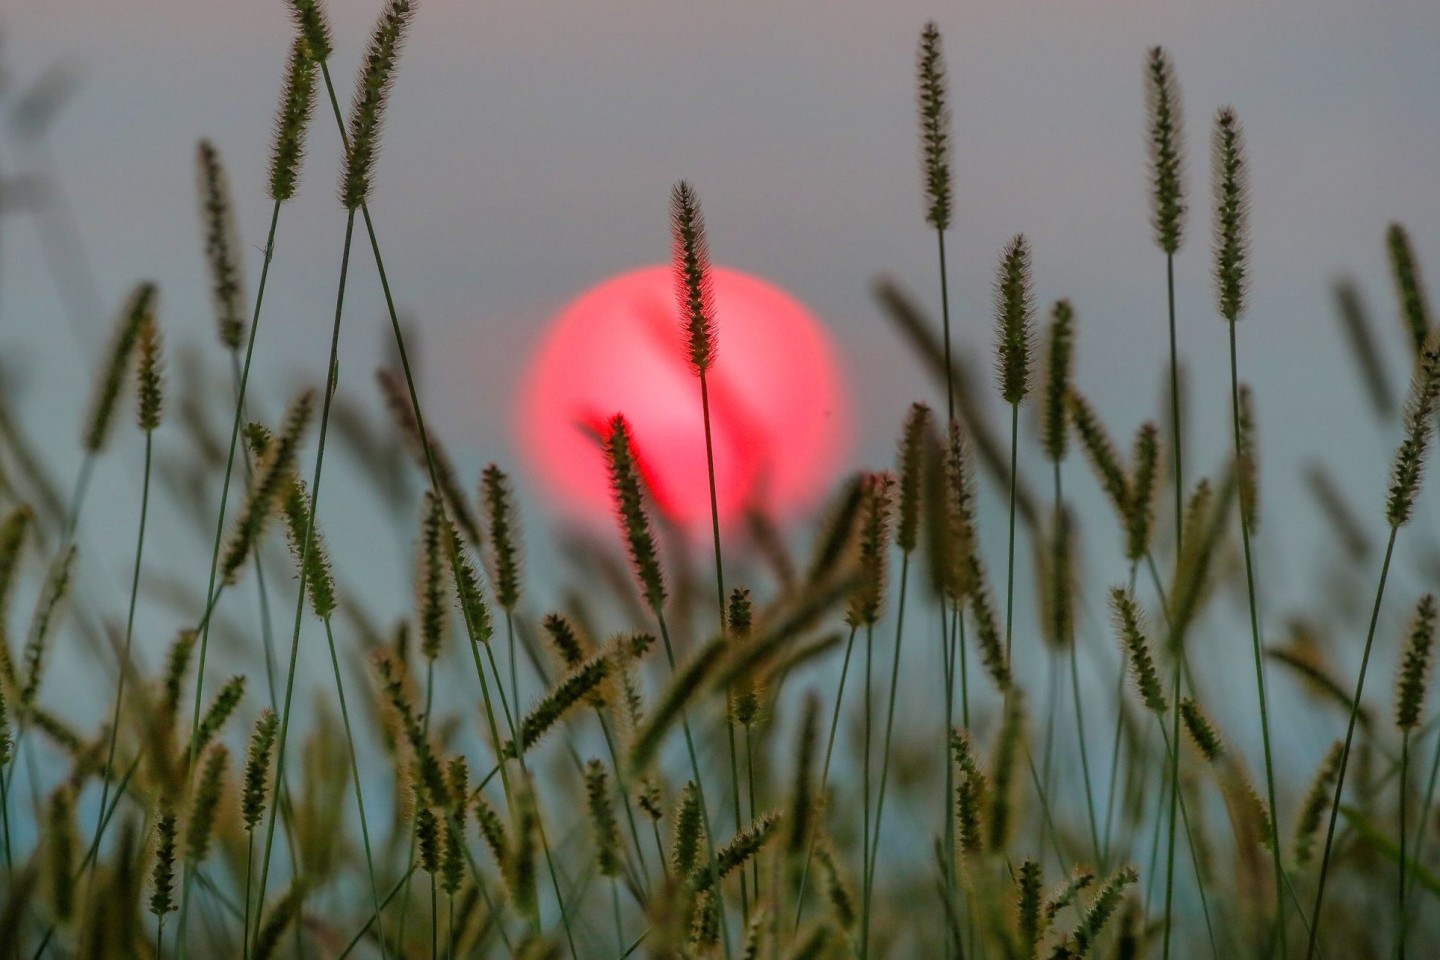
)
(694, 289)
(139, 310)
(1409, 287)
(292, 121)
(1059, 366)
(934, 112)
(372, 91)
(1419, 416)
(1165, 141)
(222, 245)
(1014, 320)
(504, 553)
(1232, 214)
(1414, 676)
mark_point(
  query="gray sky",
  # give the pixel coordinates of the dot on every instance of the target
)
(530, 148)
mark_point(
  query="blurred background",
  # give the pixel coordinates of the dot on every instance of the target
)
(529, 153)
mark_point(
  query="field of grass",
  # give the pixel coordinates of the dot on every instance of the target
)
(865, 739)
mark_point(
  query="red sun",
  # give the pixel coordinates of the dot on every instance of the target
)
(778, 412)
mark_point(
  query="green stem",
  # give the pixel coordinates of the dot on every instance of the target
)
(1010, 566)
(889, 726)
(1404, 789)
(615, 908)
(948, 629)
(125, 665)
(1174, 799)
(865, 793)
(1115, 741)
(1316, 913)
(355, 779)
(1175, 404)
(824, 772)
(1260, 669)
(331, 380)
(754, 808)
(249, 872)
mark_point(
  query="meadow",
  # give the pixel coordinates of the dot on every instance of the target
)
(867, 739)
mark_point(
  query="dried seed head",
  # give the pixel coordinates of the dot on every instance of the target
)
(431, 580)
(1247, 462)
(1317, 799)
(630, 510)
(694, 292)
(468, 593)
(803, 801)
(565, 641)
(521, 877)
(139, 310)
(220, 710)
(504, 555)
(1420, 408)
(1165, 142)
(934, 127)
(1143, 482)
(1365, 348)
(1100, 450)
(735, 854)
(61, 842)
(1004, 765)
(744, 699)
(911, 469)
(1059, 362)
(959, 537)
(307, 547)
(1232, 214)
(200, 822)
(688, 832)
(987, 625)
(162, 876)
(367, 110)
(837, 891)
(427, 836)
(1414, 676)
(269, 482)
(1028, 885)
(1409, 288)
(1130, 628)
(257, 768)
(1201, 730)
(297, 104)
(222, 246)
(603, 826)
(572, 690)
(1057, 580)
(868, 597)
(284, 913)
(1103, 907)
(52, 596)
(1014, 320)
(971, 794)
(151, 379)
(310, 20)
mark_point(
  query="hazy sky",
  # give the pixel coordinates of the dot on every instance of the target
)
(530, 149)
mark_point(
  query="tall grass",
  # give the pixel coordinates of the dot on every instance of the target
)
(591, 801)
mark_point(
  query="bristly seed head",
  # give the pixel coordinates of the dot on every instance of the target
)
(151, 376)
(1143, 483)
(1232, 214)
(630, 511)
(432, 580)
(1414, 306)
(1130, 628)
(911, 468)
(1247, 462)
(292, 120)
(257, 768)
(1165, 144)
(606, 832)
(372, 90)
(934, 126)
(504, 553)
(1201, 729)
(139, 310)
(1014, 320)
(310, 20)
(1419, 416)
(1059, 362)
(869, 595)
(222, 245)
(694, 290)
(1414, 675)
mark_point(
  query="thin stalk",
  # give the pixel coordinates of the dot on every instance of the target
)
(1175, 404)
(125, 665)
(615, 908)
(355, 781)
(699, 788)
(160, 936)
(331, 378)
(945, 328)
(622, 785)
(825, 771)
(1404, 789)
(414, 836)
(1260, 671)
(249, 871)
(212, 592)
(889, 725)
(514, 663)
(1194, 860)
(947, 656)
(1010, 566)
(1079, 707)
(450, 926)
(739, 815)
(865, 793)
(1420, 835)
(754, 808)
(1174, 799)
(1047, 761)
(434, 923)
(1115, 742)
(1345, 751)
